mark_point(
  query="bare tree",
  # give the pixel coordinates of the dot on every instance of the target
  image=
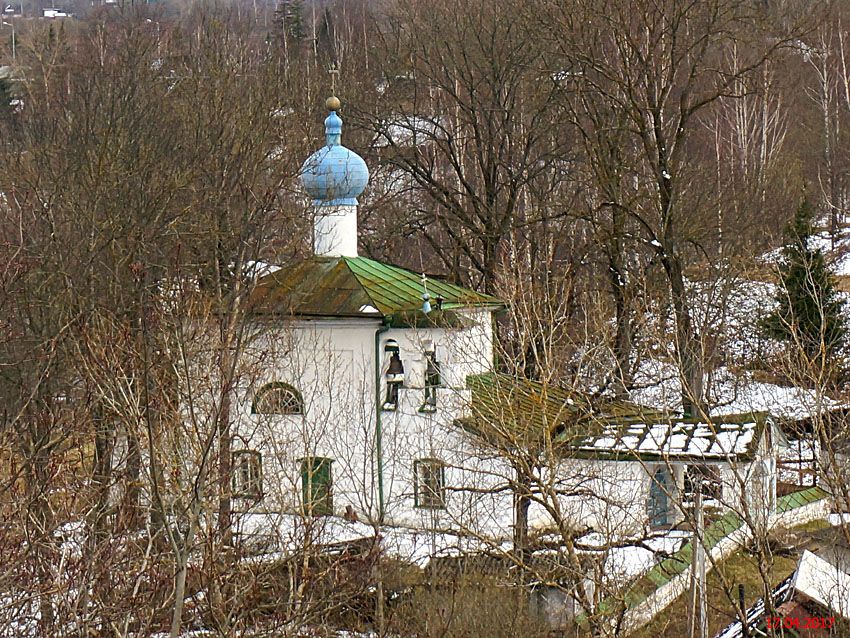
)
(660, 68)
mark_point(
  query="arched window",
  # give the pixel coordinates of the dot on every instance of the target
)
(277, 398)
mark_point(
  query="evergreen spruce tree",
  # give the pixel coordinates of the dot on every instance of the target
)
(809, 313)
(289, 21)
(5, 96)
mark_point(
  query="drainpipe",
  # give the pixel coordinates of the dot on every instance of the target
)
(379, 453)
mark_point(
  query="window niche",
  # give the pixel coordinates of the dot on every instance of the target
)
(277, 398)
(429, 484)
(394, 375)
(661, 485)
(761, 491)
(246, 474)
(433, 380)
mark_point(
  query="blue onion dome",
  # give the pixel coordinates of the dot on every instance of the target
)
(334, 175)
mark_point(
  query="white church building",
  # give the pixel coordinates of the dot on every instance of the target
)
(374, 388)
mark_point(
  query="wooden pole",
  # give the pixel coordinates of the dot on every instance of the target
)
(697, 622)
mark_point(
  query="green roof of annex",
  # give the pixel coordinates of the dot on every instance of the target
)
(356, 287)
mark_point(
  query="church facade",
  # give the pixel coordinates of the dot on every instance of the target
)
(373, 397)
(359, 374)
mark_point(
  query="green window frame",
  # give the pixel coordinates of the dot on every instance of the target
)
(317, 485)
(429, 484)
(277, 398)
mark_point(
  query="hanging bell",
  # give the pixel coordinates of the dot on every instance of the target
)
(426, 303)
(395, 371)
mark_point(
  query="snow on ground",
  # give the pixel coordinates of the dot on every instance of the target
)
(628, 561)
(407, 130)
(838, 254)
(839, 519)
(730, 310)
(257, 269)
(419, 546)
(24, 609)
(734, 395)
(290, 533)
(658, 386)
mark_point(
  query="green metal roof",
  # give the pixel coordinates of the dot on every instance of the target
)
(356, 287)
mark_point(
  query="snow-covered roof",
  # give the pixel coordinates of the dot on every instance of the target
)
(822, 582)
(815, 578)
(682, 439)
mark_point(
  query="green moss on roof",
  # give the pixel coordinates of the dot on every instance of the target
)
(505, 406)
(397, 289)
(356, 287)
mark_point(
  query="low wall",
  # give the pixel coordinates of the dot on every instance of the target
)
(724, 546)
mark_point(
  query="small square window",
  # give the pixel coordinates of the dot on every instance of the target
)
(247, 474)
(429, 484)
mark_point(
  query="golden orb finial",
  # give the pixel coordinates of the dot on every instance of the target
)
(333, 103)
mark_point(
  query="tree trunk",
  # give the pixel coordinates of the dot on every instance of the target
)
(688, 348)
(623, 316)
(225, 445)
(130, 514)
(41, 520)
(104, 437)
(522, 502)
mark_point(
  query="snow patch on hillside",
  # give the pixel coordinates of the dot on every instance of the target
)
(657, 385)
